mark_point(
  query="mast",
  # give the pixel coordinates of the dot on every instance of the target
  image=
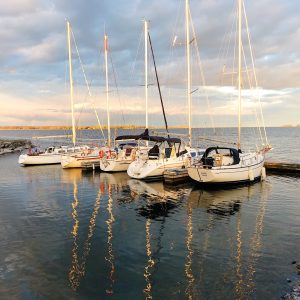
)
(106, 89)
(239, 71)
(187, 43)
(158, 86)
(146, 68)
(71, 83)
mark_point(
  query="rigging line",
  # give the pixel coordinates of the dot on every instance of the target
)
(135, 60)
(223, 45)
(253, 66)
(251, 88)
(215, 140)
(117, 88)
(233, 83)
(172, 44)
(230, 36)
(201, 71)
(160, 96)
(171, 49)
(86, 82)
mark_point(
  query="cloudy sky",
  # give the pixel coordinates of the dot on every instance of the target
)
(33, 61)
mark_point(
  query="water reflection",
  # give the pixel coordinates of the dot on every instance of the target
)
(157, 200)
(115, 184)
(150, 262)
(256, 240)
(189, 258)
(110, 256)
(244, 246)
(204, 216)
(223, 202)
(78, 264)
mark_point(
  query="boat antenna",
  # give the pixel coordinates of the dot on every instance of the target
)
(160, 96)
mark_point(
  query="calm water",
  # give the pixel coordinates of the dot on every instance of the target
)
(285, 141)
(72, 235)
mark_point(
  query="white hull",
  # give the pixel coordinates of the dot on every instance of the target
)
(41, 159)
(76, 161)
(152, 169)
(114, 165)
(249, 169)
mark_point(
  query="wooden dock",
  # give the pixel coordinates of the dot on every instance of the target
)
(282, 167)
(90, 166)
(174, 176)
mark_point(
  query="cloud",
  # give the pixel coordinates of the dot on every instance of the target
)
(33, 56)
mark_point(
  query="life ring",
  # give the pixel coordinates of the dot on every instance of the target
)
(101, 153)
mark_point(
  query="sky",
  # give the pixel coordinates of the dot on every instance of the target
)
(34, 82)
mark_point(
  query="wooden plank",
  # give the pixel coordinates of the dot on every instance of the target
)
(282, 166)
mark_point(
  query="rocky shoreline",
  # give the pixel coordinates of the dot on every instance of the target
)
(10, 146)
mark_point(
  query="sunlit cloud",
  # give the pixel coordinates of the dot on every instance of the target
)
(34, 66)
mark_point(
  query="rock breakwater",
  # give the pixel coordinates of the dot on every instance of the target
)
(10, 146)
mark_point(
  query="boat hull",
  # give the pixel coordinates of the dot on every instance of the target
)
(234, 174)
(76, 161)
(152, 169)
(42, 159)
(114, 165)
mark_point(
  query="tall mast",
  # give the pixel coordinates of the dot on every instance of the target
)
(106, 89)
(187, 43)
(71, 83)
(146, 68)
(158, 86)
(239, 71)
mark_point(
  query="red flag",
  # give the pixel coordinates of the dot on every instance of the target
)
(105, 42)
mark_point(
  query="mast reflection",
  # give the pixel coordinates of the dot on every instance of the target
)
(115, 183)
(255, 242)
(78, 264)
(189, 258)
(110, 256)
(150, 262)
(158, 200)
(244, 242)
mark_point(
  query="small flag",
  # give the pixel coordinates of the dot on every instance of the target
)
(105, 42)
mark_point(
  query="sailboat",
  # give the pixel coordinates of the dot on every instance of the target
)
(87, 154)
(115, 159)
(228, 165)
(51, 155)
(166, 153)
(54, 154)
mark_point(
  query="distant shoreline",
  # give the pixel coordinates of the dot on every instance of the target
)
(64, 127)
(88, 127)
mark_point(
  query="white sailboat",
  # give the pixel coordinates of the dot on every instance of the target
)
(226, 165)
(148, 168)
(114, 159)
(127, 147)
(87, 154)
(51, 155)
